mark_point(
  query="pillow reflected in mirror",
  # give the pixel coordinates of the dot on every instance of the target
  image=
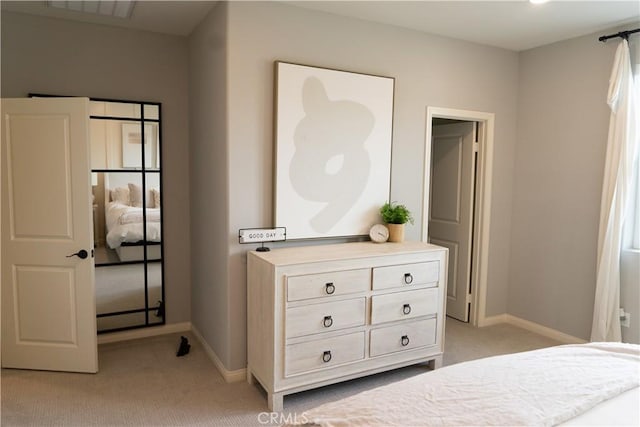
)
(120, 195)
(135, 195)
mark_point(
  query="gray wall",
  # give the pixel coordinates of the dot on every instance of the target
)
(429, 70)
(209, 183)
(563, 121)
(54, 56)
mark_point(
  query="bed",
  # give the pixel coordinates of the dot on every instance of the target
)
(581, 384)
(124, 217)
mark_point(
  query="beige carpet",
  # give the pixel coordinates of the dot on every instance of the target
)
(143, 383)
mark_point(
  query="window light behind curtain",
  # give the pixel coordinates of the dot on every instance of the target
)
(617, 194)
(631, 231)
(635, 223)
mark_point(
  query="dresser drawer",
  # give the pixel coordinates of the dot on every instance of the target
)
(325, 317)
(328, 284)
(405, 336)
(396, 276)
(404, 305)
(324, 353)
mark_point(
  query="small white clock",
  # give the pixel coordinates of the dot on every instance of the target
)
(379, 233)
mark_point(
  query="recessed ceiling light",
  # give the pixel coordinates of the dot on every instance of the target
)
(116, 8)
(538, 1)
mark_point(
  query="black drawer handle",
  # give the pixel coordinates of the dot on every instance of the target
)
(408, 278)
(406, 309)
(404, 340)
(326, 356)
(327, 321)
(329, 288)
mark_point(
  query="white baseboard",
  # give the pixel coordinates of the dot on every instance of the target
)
(543, 330)
(531, 326)
(492, 320)
(229, 376)
(135, 334)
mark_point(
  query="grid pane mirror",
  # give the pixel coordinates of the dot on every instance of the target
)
(126, 182)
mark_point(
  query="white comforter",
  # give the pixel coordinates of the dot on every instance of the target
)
(542, 387)
(124, 224)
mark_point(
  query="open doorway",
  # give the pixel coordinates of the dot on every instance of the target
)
(456, 208)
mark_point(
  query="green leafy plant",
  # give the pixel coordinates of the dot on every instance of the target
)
(393, 213)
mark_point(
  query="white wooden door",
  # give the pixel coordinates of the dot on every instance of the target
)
(451, 208)
(48, 297)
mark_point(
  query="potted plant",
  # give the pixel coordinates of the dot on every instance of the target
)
(395, 216)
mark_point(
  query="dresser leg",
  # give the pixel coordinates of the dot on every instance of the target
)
(250, 378)
(435, 363)
(275, 402)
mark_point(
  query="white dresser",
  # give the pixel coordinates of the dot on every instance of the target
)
(323, 314)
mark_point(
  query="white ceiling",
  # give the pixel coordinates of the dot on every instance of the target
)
(510, 24)
(515, 25)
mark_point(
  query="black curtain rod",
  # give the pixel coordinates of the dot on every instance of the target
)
(623, 34)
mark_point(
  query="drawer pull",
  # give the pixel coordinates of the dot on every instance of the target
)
(327, 321)
(406, 309)
(329, 288)
(404, 340)
(408, 278)
(326, 356)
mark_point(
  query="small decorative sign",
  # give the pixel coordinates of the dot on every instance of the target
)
(262, 235)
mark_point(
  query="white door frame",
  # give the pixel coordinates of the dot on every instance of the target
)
(482, 218)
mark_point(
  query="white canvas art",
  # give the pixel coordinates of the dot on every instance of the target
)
(333, 150)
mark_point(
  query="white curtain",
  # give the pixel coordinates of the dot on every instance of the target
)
(616, 195)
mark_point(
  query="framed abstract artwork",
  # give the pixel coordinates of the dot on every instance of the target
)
(333, 132)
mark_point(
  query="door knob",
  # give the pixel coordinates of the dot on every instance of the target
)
(82, 254)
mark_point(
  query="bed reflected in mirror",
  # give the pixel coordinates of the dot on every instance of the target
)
(127, 211)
